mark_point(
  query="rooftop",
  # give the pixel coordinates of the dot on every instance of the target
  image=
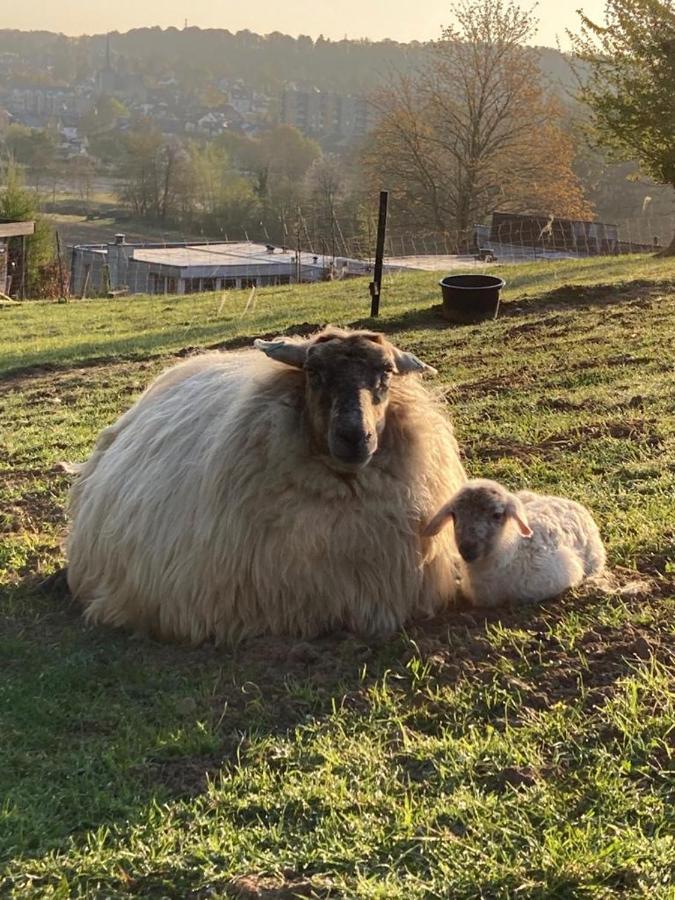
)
(243, 253)
(226, 254)
(16, 229)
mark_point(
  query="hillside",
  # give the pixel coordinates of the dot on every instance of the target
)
(193, 55)
(524, 753)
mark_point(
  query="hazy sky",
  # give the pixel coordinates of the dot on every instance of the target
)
(402, 20)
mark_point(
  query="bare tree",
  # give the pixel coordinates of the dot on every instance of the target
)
(325, 191)
(474, 128)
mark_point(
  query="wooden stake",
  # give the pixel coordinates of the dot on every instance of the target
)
(62, 284)
(23, 266)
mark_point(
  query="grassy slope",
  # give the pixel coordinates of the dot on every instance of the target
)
(524, 754)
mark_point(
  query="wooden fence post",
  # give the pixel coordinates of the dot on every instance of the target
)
(62, 282)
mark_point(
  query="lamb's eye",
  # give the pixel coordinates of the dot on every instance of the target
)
(498, 516)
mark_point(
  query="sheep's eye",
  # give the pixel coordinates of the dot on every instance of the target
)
(381, 388)
(498, 516)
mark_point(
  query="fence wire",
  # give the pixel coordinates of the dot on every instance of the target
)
(189, 267)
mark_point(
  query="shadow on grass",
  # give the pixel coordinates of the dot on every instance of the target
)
(567, 298)
(429, 318)
(582, 296)
(143, 348)
(154, 345)
(105, 726)
(188, 882)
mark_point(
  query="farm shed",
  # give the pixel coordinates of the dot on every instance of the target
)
(13, 258)
(192, 268)
(552, 233)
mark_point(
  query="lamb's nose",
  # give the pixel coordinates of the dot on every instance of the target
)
(468, 552)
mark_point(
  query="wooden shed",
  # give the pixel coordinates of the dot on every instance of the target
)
(13, 264)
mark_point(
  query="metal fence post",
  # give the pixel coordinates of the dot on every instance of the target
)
(376, 283)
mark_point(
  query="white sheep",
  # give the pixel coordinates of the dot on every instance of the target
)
(519, 547)
(280, 491)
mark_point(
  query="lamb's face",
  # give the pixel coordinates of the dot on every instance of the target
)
(479, 514)
(347, 380)
(480, 511)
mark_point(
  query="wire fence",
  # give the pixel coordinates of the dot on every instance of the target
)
(188, 267)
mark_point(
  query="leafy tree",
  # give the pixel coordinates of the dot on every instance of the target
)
(33, 148)
(155, 172)
(630, 88)
(474, 129)
(284, 151)
(18, 204)
(100, 127)
(220, 200)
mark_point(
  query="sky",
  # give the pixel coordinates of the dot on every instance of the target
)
(401, 20)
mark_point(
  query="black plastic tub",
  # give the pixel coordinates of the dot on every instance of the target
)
(471, 298)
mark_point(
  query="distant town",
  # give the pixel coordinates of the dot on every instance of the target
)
(190, 136)
(224, 104)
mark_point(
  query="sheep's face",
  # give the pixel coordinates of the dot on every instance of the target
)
(480, 511)
(347, 395)
(348, 376)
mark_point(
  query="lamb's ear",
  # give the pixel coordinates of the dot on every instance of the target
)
(291, 353)
(439, 521)
(516, 510)
(408, 363)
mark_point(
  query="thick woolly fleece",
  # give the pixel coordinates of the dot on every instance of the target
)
(205, 512)
(565, 548)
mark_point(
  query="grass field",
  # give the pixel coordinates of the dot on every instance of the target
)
(527, 753)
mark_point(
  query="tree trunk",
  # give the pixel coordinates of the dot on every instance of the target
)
(669, 250)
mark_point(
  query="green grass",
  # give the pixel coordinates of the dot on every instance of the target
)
(528, 753)
(135, 327)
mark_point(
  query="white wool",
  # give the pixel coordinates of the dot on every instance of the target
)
(204, 511)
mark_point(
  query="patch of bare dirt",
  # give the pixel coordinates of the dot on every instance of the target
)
(509, 777)
(621, 359)
(183, 776)
(49, 384)
(641, 430)
(639, 292)
(622, 429)
(560, 404)
(261, 887)
(30, 512)
(494, 385)
(552, 326)
(52, 373)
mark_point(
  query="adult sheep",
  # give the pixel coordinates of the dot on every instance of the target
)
(277, 492)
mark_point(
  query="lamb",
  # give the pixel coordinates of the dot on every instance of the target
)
(519, 547)
(279, 490)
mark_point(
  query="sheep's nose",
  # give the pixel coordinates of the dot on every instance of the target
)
(353, 435)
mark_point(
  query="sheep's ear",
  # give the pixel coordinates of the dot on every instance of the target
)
(408, 363)
(517, 512)
(439, 521)
(291, 353)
